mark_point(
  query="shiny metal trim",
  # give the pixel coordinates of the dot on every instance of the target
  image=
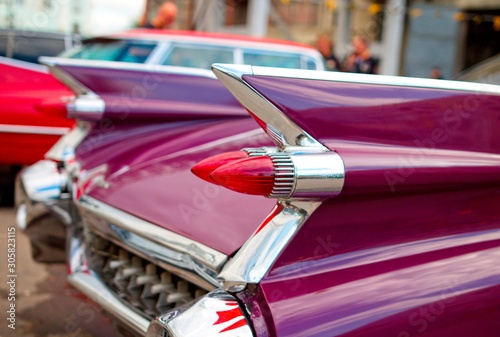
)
(193, 250)
(68, 80)
(24, 65)
(170, 260)
(43, 181)
(281, 129)
(317, 175)
(258, 254)
(65, 147)
(203, 317)
(284, 183)
(53, 62)
(97, 291)
(87, 107)
(33, 129)
(91, 286)
(376, 79)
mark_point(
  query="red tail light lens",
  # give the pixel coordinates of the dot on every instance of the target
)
(205, 167)
(53, 107)
(250, 176)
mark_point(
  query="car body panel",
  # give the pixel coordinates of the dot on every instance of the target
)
(135, 92)
(155, 160)
(411, 245)
(387, 114)
(25, 134)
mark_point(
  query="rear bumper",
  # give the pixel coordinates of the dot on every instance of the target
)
(86, 281)
(44, 210)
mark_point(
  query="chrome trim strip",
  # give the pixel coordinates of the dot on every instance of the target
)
(53, 62)
(317, 175)
(94, 289)
(65, 147)
(32, 129)
(68, 80)
(258, 254)
(209, 316)
(24, 65)
(170, 260)
(374, 79)
(282, 130)
(197, 251)
(86, 107)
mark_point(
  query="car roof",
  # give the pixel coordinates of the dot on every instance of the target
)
(220, 38)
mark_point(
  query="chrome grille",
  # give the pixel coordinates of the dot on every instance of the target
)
(142, 285)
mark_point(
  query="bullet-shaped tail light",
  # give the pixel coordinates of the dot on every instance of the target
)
(205, 167)
(276, 174)
(250, 176)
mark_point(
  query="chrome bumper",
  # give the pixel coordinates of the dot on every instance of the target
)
(44, 209)
(86, 281)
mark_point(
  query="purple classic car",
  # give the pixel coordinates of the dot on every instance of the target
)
(349, 205)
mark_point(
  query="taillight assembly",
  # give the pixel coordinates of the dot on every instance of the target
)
(53, 107)
(251, 176)
(276, 174)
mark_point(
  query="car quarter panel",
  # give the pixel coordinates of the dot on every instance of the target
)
(411, 246)
(407, 265)
(147, 173)
(26, 134)
(147, 92)
(423, 117)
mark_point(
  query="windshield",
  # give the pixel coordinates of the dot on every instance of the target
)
(113, 50)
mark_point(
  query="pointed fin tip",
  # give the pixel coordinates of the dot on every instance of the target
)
(233, 70)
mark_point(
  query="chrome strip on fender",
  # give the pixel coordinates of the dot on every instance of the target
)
(258, 254)
(192, 250)
(375, 79)
(65, 147)
(24, 65)
(283, 131)
(32, 129)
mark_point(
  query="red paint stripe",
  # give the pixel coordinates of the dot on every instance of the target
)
(235, 326)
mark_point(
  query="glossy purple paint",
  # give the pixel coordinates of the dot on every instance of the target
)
(147, 94)
(411, 247)
(149, 171)
(389, 115)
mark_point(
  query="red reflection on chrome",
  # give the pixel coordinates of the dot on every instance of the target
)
(229, 315)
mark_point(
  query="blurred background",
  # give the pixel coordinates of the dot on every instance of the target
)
(408, 37)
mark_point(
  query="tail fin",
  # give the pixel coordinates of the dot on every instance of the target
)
(117, 90)
(297, 106)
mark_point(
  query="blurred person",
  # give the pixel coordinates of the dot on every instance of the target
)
(325, 46)
(164, 18)
(436, 73)
(361, 59)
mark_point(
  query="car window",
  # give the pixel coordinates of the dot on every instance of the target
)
(29, 46)
(310, 64)
(272, 59)
(198, 56)
(121, 51)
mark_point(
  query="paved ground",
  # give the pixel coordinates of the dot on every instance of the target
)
(46, 305)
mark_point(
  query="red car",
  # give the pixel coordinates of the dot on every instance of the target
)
(26, 135)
